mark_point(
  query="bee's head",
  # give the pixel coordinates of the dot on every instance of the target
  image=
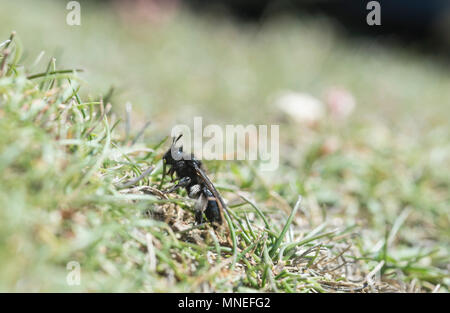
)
(174, 153)
(171, 156)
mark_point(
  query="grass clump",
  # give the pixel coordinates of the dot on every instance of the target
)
(76, 188)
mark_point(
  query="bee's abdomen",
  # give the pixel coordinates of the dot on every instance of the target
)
(212, 210)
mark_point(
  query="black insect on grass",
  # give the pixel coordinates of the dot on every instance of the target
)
(191, 176)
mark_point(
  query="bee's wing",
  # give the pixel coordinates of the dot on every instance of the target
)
(213, 189)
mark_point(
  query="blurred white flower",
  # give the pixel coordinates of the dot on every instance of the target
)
(302, 107)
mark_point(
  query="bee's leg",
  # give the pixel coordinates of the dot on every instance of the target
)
(170, 172)
(194, 191)
(200, 206)
(183, 182)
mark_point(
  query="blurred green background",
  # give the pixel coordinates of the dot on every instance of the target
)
(208, 65)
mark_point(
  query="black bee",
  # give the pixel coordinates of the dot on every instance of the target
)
(191, 176)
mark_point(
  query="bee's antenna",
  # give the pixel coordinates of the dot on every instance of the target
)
(174, 141)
